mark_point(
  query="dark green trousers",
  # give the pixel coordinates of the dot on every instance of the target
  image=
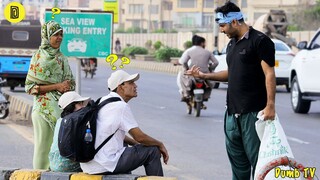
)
(242, 144)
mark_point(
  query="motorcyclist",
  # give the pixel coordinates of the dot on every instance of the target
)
(196, 55)
(89, 64)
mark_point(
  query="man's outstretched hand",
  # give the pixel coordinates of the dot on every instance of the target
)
(195, 72)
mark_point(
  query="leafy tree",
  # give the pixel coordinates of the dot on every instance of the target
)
(157, 45)
(307, 17)
(187, 44)
(164, 54)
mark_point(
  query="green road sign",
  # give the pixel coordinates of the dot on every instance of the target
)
(85, 34)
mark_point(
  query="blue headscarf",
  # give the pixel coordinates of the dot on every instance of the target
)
(226, 19)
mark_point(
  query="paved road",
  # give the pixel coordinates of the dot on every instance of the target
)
(196, 145)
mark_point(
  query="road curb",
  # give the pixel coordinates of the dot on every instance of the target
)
(56, 175)
(6, 173)
(23, 174)
(35, 174)
(155, 66)
(19, 105)
(165, 67)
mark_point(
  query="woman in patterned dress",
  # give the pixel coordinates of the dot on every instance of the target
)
(48, 78)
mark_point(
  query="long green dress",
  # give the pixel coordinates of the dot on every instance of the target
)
(47, 66)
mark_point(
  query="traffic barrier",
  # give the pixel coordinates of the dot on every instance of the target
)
(56, 175)
(31, 174)
(6, 173)
(20, 106)
(24, 174)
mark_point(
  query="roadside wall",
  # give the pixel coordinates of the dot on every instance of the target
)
(176, 40)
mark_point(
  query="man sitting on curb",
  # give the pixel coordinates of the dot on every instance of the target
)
(116, 117)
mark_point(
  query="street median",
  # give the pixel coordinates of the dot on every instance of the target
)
(20, 107)
(155, 66)
(30, 174)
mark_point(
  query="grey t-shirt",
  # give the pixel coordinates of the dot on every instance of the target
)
(199, 57)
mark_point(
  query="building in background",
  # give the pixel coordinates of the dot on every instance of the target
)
(148, 15)
(193, 14)
(255, 8)
(190, 15)
(33, 7)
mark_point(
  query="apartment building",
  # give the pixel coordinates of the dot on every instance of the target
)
(145, 14)
(199, 14)
(33, 7)
(194, 14)
(183, 15)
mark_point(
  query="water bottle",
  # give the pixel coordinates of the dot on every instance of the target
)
(88, 136)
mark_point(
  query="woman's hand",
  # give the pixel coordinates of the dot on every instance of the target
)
(64, 86)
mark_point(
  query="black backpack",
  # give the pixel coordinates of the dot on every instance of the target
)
(73, 128)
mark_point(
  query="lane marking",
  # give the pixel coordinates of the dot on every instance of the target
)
(22, 131)
(297, 140)
(169, 167)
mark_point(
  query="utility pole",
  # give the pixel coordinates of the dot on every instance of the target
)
(215, 28)
(141, 22)
(119, 13)
(149, 16)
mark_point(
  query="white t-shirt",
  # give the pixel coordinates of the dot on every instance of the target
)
(113, 116)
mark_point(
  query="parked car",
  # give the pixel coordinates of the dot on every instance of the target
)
(304, 75)
(283, 58)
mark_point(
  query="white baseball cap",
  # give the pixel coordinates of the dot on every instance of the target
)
(70, 97)
(119, 77)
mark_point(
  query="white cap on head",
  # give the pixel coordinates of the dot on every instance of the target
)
(70, 97)
(119, 77)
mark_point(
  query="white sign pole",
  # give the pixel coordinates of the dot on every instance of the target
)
(78, 76)
(78, 73)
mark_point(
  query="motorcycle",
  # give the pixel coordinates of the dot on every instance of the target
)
(4, 103)
(196, 98)
(89, 66)
(199, 91)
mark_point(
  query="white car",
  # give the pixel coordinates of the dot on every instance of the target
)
(304, 75)
(283, 58)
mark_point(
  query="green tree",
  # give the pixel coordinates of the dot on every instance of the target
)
(306, 17)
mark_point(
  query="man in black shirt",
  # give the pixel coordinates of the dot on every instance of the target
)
(251, 87)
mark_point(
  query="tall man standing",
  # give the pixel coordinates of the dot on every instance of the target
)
(251, 87)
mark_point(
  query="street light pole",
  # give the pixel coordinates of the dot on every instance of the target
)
(149, 16)
(215, 29)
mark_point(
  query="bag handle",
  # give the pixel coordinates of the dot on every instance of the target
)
(104, 142)
(107, 101)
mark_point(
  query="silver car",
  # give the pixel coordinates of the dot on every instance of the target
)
(283, 59)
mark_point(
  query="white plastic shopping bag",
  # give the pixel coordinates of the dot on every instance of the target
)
(273, 145)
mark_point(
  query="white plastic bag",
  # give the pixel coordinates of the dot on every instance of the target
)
(273, 145)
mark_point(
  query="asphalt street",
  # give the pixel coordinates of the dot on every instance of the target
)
(196, 145)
